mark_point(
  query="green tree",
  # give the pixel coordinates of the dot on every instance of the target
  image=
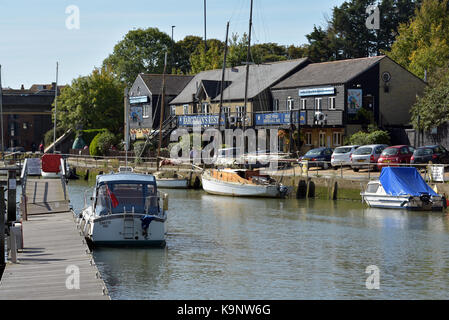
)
(91, 102)
(238, 50)
(184, 50)
(432, 110)
(209, 60)
(423, 44)
(141, 51)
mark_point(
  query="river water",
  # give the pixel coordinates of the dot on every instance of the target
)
(232, 248)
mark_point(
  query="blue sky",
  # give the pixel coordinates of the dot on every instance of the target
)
(33, 34)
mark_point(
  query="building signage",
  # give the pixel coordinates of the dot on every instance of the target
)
(317, 92)
(136, 114)
(136, 100)
(205, 120)
(280, 118)
(354, 100)
(437, 173)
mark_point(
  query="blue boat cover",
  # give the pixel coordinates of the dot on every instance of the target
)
(404, 181)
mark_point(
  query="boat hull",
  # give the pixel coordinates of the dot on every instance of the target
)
(402, 202)
(172, 183)
(122, 230)
(216, 187)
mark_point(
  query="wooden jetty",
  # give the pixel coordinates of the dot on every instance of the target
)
(55, 262)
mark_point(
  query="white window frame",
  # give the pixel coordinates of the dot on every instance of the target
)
(304, 104)
(318, 104)
(332, 105)
(322, 135)
(337, 139)
(290, 104)
(185, 109)
(240, 111)
(173, 111)
(275, 104)
(308, 138)
(205, 108)
(226, 110)
(146, 110)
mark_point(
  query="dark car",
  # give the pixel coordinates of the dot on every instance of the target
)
(395, 155)
(430, 154)
(320, 157)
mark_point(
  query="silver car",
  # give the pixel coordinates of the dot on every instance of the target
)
(366, 157)
(342, 156)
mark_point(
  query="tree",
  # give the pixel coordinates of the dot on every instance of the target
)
(92, 102)
(423, 44)
(140, 51)
(184, 50)
(238, 50)
(210, 60)
(432, 110)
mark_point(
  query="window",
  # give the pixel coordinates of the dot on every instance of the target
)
(308, 138)
(240, 112)
(226, 111)
(337, 138)
(276, 105)
(332, 103)
(205, 108)
(146, 110)
(318, 104)
(290, 104)
(322, 139)
(185, 109)
(303, 104)
(173, 111)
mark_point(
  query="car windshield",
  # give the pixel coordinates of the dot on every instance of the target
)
(390, 152)
(363, 151)
(424, 152)
(314, 153)
(342, 150)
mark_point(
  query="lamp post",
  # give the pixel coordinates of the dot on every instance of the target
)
(172, 46)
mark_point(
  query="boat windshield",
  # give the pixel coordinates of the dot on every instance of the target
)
(121, 197)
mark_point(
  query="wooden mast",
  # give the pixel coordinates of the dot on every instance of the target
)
(223, 78)
(248, 55)
(162, 113)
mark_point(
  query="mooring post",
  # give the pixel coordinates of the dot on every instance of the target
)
(12, 186)
(2, 228)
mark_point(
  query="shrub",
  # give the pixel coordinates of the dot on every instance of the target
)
(94, 150)
(105, 141)
(89, 135)
(140, 150)
(375, 137)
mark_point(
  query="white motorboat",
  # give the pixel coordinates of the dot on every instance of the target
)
(126, 210)
(402, 188)
(171, 181)
(241, 183)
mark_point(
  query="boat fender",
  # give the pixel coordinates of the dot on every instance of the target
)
(165, 205)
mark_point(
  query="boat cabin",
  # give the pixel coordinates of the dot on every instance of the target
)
(126, 193)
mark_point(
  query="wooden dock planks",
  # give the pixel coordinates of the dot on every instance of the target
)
(52, 245)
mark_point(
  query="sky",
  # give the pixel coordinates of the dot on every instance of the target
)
(35, 34)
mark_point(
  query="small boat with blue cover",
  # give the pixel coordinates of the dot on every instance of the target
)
(126, 210)
(402, 188)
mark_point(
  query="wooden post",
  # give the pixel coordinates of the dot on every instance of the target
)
(2, 228)
(12, 186)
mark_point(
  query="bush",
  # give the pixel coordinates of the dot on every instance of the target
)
(94, 150)
(89, 135)
(375, 137)
(140, 150)
(105, 141)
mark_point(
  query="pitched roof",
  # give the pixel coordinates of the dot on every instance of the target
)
(334, 72)
(261, 77)
(173, 83)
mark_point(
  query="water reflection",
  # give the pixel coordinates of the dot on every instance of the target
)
(235, 248)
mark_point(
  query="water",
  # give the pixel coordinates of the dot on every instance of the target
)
(226, 248)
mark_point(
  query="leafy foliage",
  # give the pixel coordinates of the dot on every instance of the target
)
(89, 135)
(94, 101)
(105, 142)
(94, 149)
(365, 138)
(432, 110)
(202, 60)
(424, 42)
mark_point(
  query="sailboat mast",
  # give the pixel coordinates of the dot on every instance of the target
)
(56, 108)
(223, 78)
(162, 113)
(248, 55)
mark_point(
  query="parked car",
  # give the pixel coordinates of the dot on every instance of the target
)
(395, 155)
(319, 157)
(366, 157)
(342, 156)
(433, 154)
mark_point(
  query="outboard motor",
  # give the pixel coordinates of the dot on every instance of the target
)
(283, 190)
(426, 198)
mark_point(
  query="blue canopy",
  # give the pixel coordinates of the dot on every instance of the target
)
(404, 181)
